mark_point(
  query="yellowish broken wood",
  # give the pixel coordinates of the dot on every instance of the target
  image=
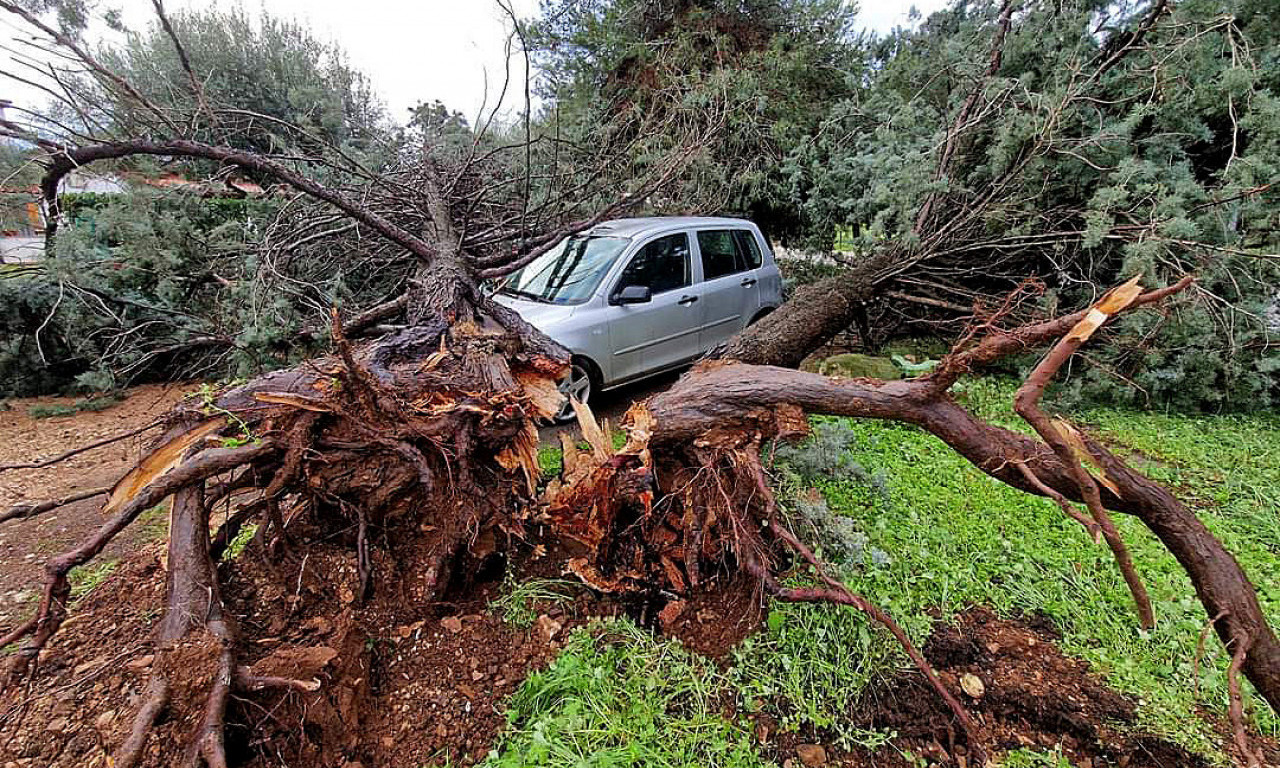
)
(158, 462)
(1116, 300)
(601, 447)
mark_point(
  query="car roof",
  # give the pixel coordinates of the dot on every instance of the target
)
(643, 225)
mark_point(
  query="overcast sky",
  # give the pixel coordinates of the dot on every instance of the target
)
(416, 50)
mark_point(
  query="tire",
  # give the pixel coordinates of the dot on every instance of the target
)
(582, 382)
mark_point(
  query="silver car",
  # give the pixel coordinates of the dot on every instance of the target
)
(631, 298)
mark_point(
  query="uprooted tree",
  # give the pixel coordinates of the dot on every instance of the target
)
(412, 456)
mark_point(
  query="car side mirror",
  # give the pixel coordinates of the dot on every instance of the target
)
(633, 294)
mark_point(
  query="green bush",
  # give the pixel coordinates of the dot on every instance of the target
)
(145, 286)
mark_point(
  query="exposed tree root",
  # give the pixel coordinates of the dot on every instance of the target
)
(697, 445)
(442, 444)
(24, 511)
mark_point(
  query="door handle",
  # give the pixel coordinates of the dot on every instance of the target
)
(687, 300)
(748, 282)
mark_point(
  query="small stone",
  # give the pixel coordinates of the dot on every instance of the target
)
(670, 612)
(548, 626)
(142, 662)
(993, 648)
(452, 623)
(812, 755)
(104, 720)
(972, 685)
(57, 725)
(88, 665)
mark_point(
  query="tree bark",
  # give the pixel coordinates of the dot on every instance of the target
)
(725, 396)
(812, 317)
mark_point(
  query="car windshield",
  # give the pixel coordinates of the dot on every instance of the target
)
(568, 273)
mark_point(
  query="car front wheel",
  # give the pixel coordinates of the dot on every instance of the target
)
(579, 385)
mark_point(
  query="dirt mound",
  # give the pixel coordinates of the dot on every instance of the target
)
(1022, 691)
(434, 689)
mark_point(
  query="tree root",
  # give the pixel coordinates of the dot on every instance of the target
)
(441, 447)
(24, 511)
(53, 605)
(129, 754)
(712, 510)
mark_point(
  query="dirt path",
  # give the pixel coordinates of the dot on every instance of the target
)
(24, 544)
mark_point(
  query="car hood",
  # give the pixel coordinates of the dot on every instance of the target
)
(544, 317)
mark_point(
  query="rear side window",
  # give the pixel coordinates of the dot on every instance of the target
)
(719, 253)
(726, 251)
(748, 248)
(662, 265)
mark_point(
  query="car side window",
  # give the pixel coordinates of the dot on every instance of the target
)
(748, 248)
(719, 253)
(661, 265)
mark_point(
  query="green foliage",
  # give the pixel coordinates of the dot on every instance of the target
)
(253, 68)
(1034, 758)
(616, 696)
(798, 272)
(83, 404)
(145, 285)
(1160, 165)
(51, 411)
(744, 80)
(236, 546)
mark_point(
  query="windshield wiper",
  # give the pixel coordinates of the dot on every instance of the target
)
(524, 295)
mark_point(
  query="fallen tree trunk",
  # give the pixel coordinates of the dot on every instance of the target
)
(720, 396)
(702, 440)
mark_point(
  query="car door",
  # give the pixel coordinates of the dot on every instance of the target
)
(730, 286)
(663, 331)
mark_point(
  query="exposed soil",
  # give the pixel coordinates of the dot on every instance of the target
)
(25, 544)
(424, 685)
(1029, 695)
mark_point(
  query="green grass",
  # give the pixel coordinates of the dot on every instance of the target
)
(1028, 758)
(522, 601)
(236, 546)
(153, 524)
(86, 578)
(551, 459)
(615, 696)
(956, 537)
(83, 404)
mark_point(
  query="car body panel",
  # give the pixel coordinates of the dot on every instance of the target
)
(627, 342)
